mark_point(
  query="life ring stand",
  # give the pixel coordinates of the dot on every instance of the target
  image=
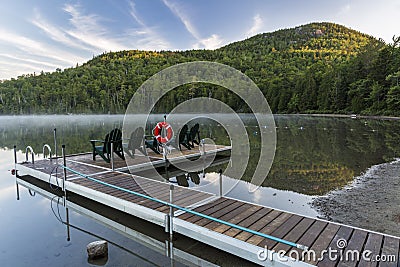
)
(158, 130)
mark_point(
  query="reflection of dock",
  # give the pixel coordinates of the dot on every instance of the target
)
(237, 227)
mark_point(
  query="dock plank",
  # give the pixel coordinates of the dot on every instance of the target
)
(269, 228)
(281, 231)
(322, 242)
(232, 217)
(373, 244)
(390, 248)
(242, 219)
(259, 224)
(355, 244)
(344, 233)
(309, 237)
(212, 209)
(220, 213)
(295, 234)
(202, 208)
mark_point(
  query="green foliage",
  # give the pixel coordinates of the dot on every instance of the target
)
(318, 67)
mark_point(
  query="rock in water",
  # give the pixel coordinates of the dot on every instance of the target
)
(97, 249)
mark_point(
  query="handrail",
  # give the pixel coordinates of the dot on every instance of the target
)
(32, 153)
(49, 149)
(289, 243)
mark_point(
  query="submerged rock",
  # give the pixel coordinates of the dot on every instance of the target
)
(97, 249)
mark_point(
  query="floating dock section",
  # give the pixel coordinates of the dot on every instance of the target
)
(256, 233)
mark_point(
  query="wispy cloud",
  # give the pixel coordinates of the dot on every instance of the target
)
(87, 29)
(145, 36)
(257, 25)
(29, 61)
(212, 42)
(56, 33)
(33, 47)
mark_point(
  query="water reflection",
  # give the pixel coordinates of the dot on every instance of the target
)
(314, 155)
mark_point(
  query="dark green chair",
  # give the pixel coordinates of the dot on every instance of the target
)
(183, 138)
(194, 177)
(104, 150)
(182, 180)
(138, 141)
(194, 135)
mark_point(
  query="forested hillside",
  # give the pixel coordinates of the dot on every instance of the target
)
(314, 68)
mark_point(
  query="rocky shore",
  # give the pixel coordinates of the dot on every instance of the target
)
(372, 201)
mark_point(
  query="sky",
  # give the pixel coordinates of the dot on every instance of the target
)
(43, 35)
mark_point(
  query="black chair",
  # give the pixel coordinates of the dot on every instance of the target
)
(138, 141)
(194, 135)
(183, 138)
(104, 151)
(194, 177)
(182, 180)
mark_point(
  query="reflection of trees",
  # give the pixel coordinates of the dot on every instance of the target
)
(316, 155)
(324, 154)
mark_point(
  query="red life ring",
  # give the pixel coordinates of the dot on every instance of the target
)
(158, 130)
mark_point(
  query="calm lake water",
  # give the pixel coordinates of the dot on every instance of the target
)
(314, 156)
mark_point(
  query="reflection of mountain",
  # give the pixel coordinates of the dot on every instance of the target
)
(316, 155)
(313, 155)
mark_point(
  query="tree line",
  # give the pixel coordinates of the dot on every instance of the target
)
(314, 68)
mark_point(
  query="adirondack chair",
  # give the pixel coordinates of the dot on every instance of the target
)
(194, 177)
(194, 135)
(182, 180)
(138, 141)
(183, 138)
(104, 150)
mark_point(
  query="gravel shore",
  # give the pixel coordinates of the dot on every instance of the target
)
(372, 201)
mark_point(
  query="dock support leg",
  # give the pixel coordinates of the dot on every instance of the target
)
(67, 222)
(15, 170)
(171, 212)
(65, 172)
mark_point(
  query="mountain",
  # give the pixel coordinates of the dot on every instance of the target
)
(318, 67)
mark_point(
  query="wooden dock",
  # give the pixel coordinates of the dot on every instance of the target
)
(318, 235)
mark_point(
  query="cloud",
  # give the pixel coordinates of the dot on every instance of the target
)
(146, 37)
(257, 25)
(212, 42)
(182, 16)
(55, 33)
(40, 49)
(87, 29)
(28, 60)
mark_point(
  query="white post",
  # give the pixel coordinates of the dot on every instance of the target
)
(220, 183)
(55, 144)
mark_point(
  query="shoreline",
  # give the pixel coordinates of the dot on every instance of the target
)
(371, 201)
(351, 116)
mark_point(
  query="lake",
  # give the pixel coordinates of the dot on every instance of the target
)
(314, 155)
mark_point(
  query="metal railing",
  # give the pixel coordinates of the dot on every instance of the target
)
(29, 149)
(49, 150)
